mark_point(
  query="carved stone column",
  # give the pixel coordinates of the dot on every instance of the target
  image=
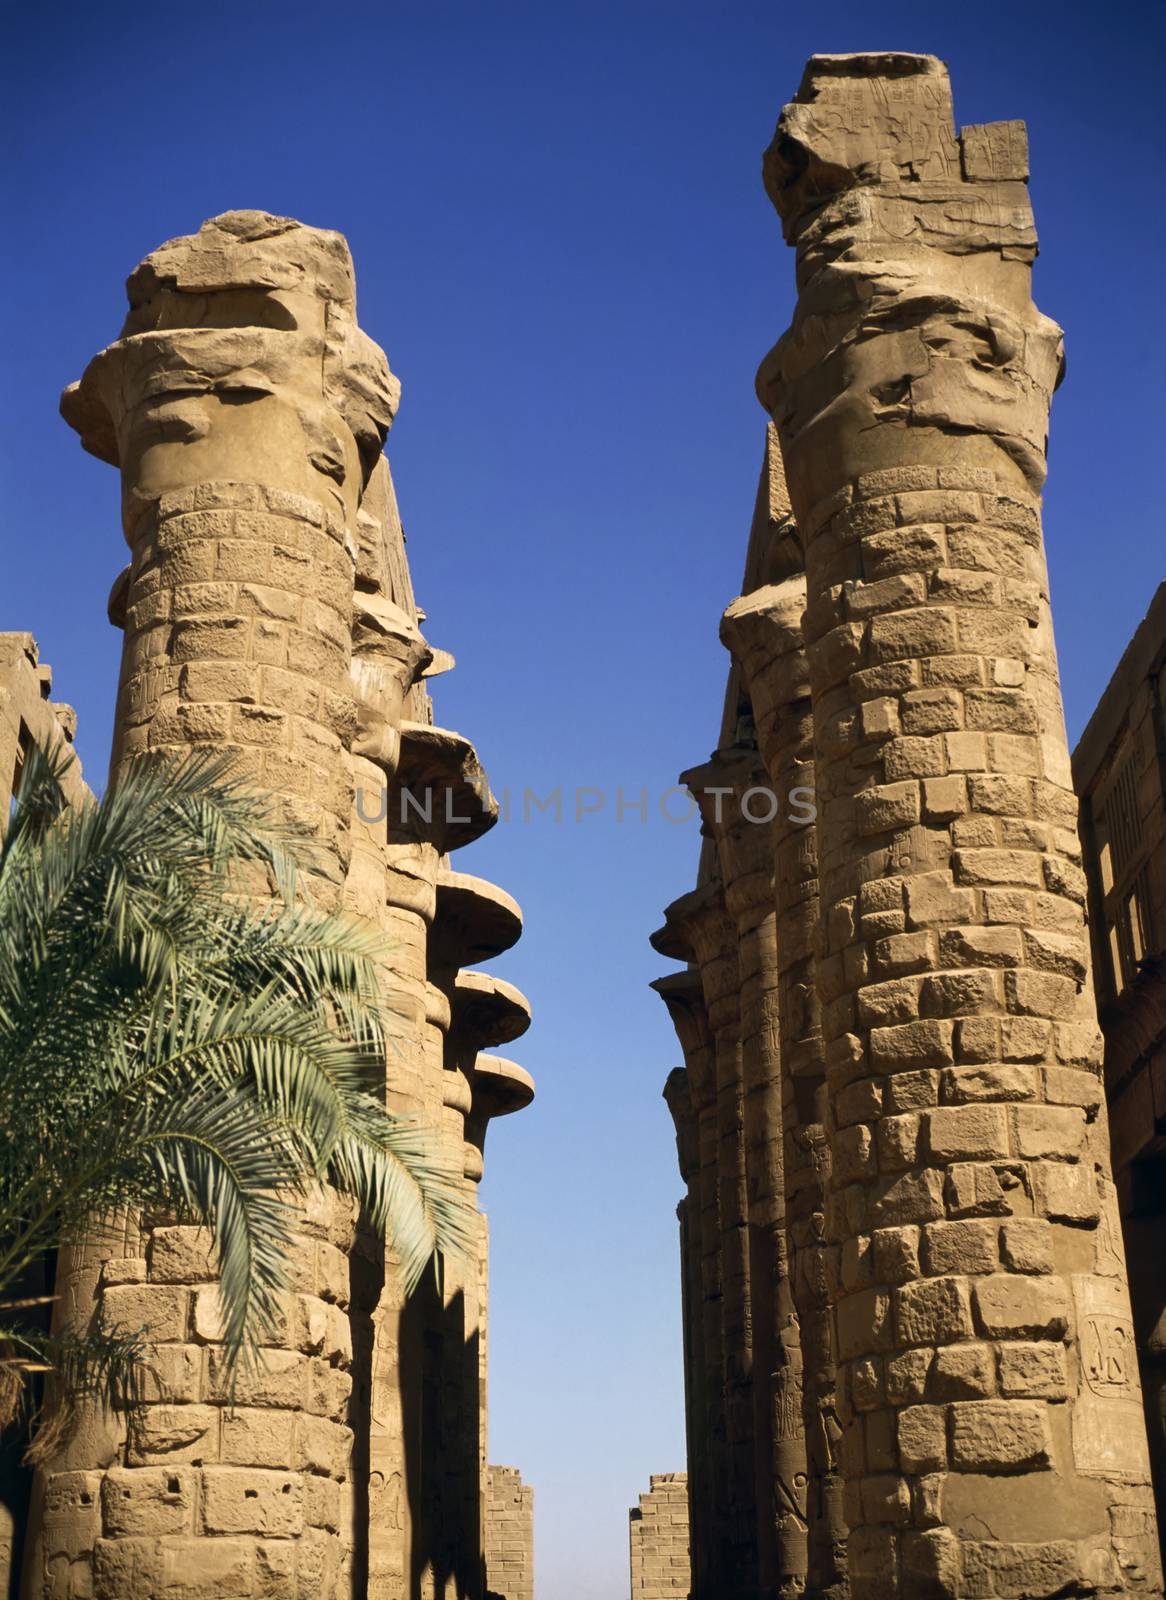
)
(684, 1119)
(245, 410)
(763, 629)
(698, 927)
(683, 994)
(994, 1441)
(736, 803)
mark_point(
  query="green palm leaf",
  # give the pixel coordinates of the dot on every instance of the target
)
(167, 1044)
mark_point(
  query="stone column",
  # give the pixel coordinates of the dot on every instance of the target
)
(736, 802)
(698, 927)
(763, 629)
(994, 1444)
(245, 410)
(683, 994)
(679, 1101)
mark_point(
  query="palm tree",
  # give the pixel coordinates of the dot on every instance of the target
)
(170, 1043)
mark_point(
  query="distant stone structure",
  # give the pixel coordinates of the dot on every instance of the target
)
(658, 1532)
(509, 1535)
(268, 610)
(1119, 767)
(907, 1323)
(27, 715)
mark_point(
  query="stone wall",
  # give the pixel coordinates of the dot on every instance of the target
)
(509, 1535)
(658, 1527)
(907, 1300)
(1119, 767)
(268, 610)
(28, 715)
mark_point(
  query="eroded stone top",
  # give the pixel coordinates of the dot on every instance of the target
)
(886, 120)
(253, 308)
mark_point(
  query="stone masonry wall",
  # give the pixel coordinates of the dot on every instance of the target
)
(509, 1535)
(660, 1561)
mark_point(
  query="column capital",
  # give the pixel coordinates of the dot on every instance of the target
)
(252, 308)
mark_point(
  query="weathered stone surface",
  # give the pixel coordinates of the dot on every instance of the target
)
(239, 1500)
(998, 1436)
(269, 610)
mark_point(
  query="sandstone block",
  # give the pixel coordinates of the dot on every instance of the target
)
(256, 1437)
(944, 799)
(278, 1378)
(1033, 1370)
(915, 549)
(930, 1564)
(965, 752)
(181, 1255)
(323, 1503)
(323, 1446)
(157, 1311)
(932, 710)
(123, 1567)
(963, 1372)
(968, 1085)
(173, 1435)
(858, 1102)
(932, 1312)
(1015, 1569)
(981, 947)
(958, 994)
(894, 1000)
(961, 1247)
(903, 953)
(914, 756)
(998, 1436)
(909, 1046)
(322, 1329)
(175, 1374)
(923, 1438)
(912, 1091)
(1024, 1038)
(1013, 1306)
(1056, 1132)
(879, 719)
(1040, 994)
(973, 1189)
(907, 1198)
(236, 1500)
(1051, 951)
(977, 1039)
(905, 1377)
(131, 1269)
(1066, 1193)
(146, 1501)
(934, 901)
(898, 1141)
(966, 1133)
(978, 867)
(895, 1254)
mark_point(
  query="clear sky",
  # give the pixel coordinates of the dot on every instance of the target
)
(562, 241)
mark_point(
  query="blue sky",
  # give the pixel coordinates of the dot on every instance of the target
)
(562, 241)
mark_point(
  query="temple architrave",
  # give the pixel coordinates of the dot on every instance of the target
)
(910, 1365)
(268, 610)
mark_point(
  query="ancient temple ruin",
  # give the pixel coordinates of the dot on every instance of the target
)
(907, 1326)
(268, 610)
